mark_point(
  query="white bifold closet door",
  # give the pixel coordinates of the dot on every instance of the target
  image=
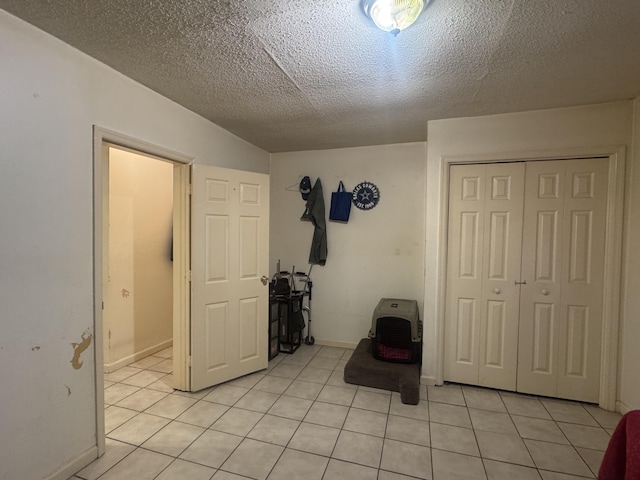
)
(524, 276)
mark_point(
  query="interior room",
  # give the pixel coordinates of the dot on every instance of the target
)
(266, 93)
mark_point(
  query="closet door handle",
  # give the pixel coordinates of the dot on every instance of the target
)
(545, 292)
(497, 291)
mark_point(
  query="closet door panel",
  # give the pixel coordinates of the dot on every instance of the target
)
(504, 195)
(485, 211)
(464, 273)
(583, 268)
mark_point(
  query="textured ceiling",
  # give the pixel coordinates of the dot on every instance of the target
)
(300, 74)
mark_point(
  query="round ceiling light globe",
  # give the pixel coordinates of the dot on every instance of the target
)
(393, 15)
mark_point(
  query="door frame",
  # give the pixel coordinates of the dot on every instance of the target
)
(615, 156)
(102, 138)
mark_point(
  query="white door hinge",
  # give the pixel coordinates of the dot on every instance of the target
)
(189, 359)
(189, 189)
(189, 275)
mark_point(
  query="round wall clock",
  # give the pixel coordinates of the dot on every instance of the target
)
(366, 196)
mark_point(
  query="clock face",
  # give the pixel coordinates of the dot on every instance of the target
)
(366, 196)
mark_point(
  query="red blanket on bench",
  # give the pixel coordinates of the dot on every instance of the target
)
(622, 459)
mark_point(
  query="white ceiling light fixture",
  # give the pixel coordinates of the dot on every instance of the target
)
(393, 15)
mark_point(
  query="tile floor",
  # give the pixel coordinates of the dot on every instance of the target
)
(298, 419)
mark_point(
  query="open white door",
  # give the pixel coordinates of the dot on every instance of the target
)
(229, 263)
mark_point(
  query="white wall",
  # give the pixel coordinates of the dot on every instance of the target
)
(379, 253)
(630, 353)
(51, 95)
(138, 316)
(518, 135)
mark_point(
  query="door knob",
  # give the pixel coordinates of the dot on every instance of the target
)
(264, 279)
(545, 292)
(497, 291)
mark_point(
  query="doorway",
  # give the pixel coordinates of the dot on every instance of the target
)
(103, 140)
(138, 255)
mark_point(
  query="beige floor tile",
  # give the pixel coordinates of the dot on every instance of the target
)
(603, 417)
(371, 401)
(593, 458)
(115, 416)
(226, 394)
(306, 390)
(299, 358)
(181, 470)
(381, 391)
(453, 466)
(166, 366)
(366, 421)
(504, 448)
(294, 464)
(419, 411)
(330, 352)
(140, 464)
(248, 381)
(203, 414)
(525, 406)
(171, 406)
(146, 362)
(339, 470)
(211, 448)
(114, 452)
(451, 394)
(220, 475)
(237, 421)
(163, 384)
(327, 414)
(406, 459)
(492, 421)
(257, 401)
(315, 439)
(336, 379)
(483, 399)
(408, 430)
(323, 363)
(142, 379)
(539, 429)
(139, 429)
(118, 392)
(271, 384)
(286, 370)
(594, 438)
(291, 407)
(557, 458)
(558, 476)
(142, 399)
(314, 375)
(384, 475)
(253, 459)
(569, 412)
(337, 395)
(173, 439)
(358, 448)
(508, 471)
(454, 439)
(121, 374)
(449, 414)
(276, 430)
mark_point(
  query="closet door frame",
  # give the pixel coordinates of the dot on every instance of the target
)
(615, 156)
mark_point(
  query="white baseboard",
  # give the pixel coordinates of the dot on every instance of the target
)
(622, 408)
(332, 343)
(123, 362)
(74, 466)
(428, 380)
